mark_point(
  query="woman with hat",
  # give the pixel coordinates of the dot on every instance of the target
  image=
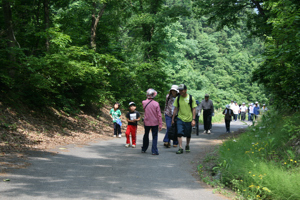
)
(169, 108)
(152, 121)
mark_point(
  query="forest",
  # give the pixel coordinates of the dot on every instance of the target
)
(68, 54)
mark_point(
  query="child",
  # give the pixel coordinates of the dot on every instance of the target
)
(228, 114)
(133, 117)
(115, 114)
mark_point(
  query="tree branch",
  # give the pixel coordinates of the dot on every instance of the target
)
(261, 11)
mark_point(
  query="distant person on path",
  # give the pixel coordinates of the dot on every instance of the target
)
(251, 112)
(231, 105)
(208, 111)
(197, 117)
(152, 121)
(228, 116)
(235, 109)
(132, 117)
(169, 109)
(115, 114)
(239, 115)
(243, 110)
(185, 107)
(249, 115)
(256, 110)
(264, 108)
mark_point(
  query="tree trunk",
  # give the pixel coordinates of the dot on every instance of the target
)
(95, 22)
(47, 21)
(9, 32)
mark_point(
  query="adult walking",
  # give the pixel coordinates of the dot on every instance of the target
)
(197, 117)
(251, 108)
(228, 114)
(249, 114)
(235, 109)
(169, 109)
(185, 109)
(243, 110)
(256, 110)
(208, 111)
(152, 121)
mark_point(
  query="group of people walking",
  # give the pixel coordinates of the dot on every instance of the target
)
(182, 111)
(233, 112)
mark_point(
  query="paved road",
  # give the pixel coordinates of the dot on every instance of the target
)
(108, 170)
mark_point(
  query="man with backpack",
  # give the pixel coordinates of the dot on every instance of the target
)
(208, 111)
(185, 110)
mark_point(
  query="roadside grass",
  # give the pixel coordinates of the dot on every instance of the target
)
(219, 117)
(263, 162)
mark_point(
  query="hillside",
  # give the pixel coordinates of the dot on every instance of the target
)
(23, 129)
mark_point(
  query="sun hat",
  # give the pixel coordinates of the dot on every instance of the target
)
(151, 93)
(243, 103)
(227, 106)
(175, 88)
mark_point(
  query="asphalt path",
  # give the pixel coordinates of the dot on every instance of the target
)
(108, 170)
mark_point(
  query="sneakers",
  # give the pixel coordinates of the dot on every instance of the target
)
(180, 151)
(127, 145)
(187, 149)
(175, 145)
(204, 132)
(114, 136)
(133, 146)
(120, 135)
(208, 132)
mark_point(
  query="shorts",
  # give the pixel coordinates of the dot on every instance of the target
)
(184, 128)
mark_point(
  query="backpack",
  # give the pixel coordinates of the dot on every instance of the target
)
(190, 102)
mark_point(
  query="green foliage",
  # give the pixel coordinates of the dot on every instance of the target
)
(280, 70)
(140, 44)
(209, 61)
(72, 76)
(263, 162)
(277, 21)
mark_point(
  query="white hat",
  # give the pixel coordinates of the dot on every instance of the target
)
(175, 88)
(151, 93)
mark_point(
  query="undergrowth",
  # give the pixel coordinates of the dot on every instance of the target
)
(263, 162)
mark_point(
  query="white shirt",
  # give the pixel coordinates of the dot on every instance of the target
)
(251, 109)
(235, 109)
(243, 108)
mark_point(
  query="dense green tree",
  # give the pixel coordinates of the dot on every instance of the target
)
(278, 22)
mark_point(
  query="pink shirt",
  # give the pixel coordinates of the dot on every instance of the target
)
(152, 113)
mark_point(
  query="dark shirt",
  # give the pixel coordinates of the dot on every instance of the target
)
(132, 116)
(228, 113)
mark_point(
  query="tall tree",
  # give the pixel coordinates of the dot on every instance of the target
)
(9, 30)
(96, 15)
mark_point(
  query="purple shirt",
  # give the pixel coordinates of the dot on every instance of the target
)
(152, 113)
